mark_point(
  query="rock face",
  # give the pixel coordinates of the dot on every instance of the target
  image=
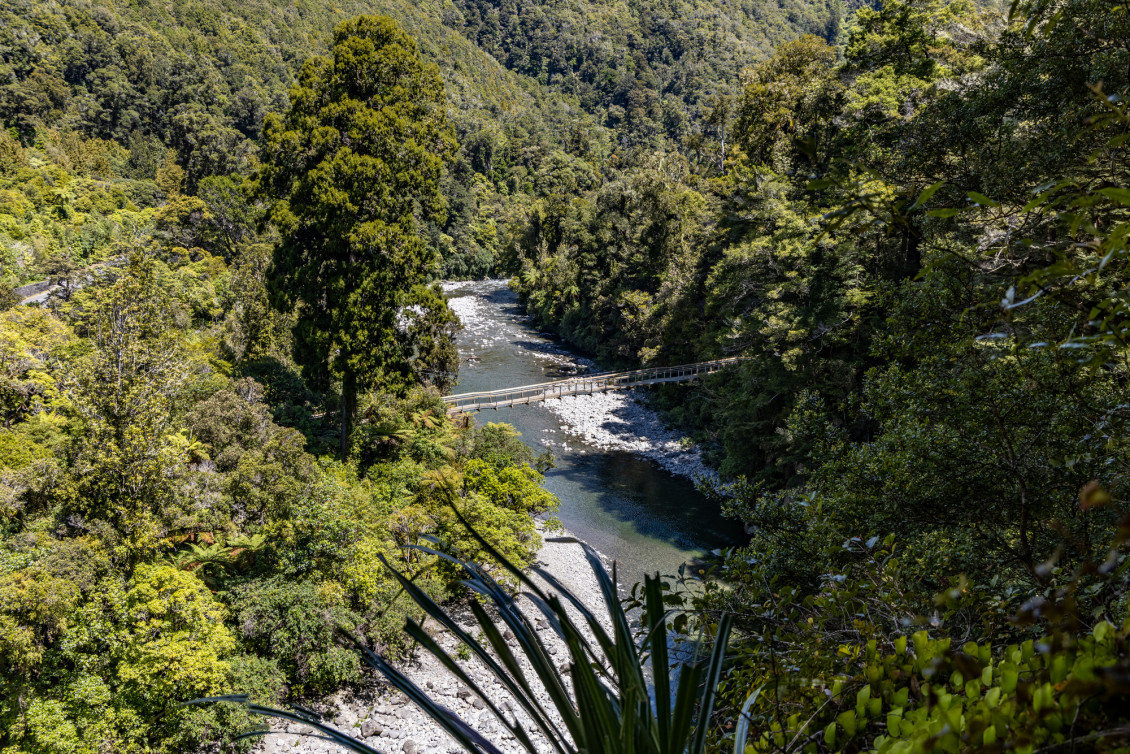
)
(31, 289)
(387, 721)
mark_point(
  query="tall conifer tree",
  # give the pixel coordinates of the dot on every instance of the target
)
(355, 165)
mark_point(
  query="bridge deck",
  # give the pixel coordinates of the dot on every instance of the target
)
(582, 385)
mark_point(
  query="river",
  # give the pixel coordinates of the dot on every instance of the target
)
(610, 449)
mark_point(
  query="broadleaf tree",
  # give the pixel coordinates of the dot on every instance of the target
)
(354, 167)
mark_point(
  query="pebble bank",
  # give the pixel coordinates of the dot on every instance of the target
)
(616, 420)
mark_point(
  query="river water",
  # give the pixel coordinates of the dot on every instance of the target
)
(628, 507)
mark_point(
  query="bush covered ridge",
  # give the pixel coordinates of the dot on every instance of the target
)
(871, 218)
(166, 537)
(917, 238)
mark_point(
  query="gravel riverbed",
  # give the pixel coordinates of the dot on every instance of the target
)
(618, 421)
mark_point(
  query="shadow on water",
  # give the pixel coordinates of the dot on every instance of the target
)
(505, 298)
(653, 504)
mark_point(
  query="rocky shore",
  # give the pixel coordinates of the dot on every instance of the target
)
(618, 421)
(387, 721)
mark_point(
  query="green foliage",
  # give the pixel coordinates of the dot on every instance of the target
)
(117, 663)
(156, 516)
(649, 69)
(295, 624)
(372, 133)
(178, 636)
(1027, 697)
(877, 205)
(27, 339)
(160, 505)
(1090, 257)
(985, 444)
(37, 606)
(847, 218)
(265, 468)
(422, 469)
(611, 273)
(124, 397)
(857, 664)
(788, 98)
(501, 446)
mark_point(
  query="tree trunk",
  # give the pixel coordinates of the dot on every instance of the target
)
(348, 409)
(912, 258)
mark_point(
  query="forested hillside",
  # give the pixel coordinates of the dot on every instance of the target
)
(114, 93)
(917, 240)
(910, 219)
(656, 71)
(197, 486)
(177, 520)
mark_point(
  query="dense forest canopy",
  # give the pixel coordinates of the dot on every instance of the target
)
(917, 239)
(199, 78)
(909, 218)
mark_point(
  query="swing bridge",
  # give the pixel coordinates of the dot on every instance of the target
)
(585, 384)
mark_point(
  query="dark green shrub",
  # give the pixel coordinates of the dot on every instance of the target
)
(296, 625)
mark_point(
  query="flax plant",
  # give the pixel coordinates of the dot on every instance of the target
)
(619, 694)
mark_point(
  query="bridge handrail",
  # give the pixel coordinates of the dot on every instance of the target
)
(623, 377)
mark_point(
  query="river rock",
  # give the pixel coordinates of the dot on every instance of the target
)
(371, 728)
(409, 747)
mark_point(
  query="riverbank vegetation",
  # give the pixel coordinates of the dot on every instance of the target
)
(169, 533)
(917, 239)
(909, 218)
